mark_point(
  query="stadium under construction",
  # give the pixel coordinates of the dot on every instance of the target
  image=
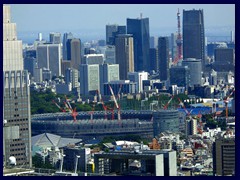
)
(99, 124)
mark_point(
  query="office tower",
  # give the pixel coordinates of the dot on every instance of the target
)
(127, 87)
(191, 127)
(30, 64)
(125, 54)
(153, 60)
(109, 33)
(213, 77)
(173, 46)
(55, 38)
(224, 156)
(139, 28)
(195, 69)
(138, 78)
(66, 36)
(224, 56)
(180, 76)
(71, 76)
(49, 57)
(193, 35)
(110, 55)
(93, 59)
(89, 79)
(65, 65)
(163, 58)
(16, 98)
(108, 72)
(112, 31)
(74, 52)
(153, 42)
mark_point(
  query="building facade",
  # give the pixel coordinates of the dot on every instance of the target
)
(194, 35)
(163, 58)
(16, 98)
(125, 55)
(139, 28)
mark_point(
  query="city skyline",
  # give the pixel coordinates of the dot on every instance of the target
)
(85, 23)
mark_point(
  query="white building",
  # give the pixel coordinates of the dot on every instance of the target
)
(138, 77)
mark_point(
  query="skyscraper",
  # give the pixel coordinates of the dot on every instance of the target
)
(74, 52)
(153, 53)
(55, 38)
(66, 36)
(139, 28)
(124, 55)
(193, 35)
(49, 57)
(112, 31)
(163, 57)
(89, 78)
(16, 97)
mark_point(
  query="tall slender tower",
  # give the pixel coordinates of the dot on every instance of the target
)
(125, 55)
(139, 28)
(163, 58)
(193, 35)
(16, 97)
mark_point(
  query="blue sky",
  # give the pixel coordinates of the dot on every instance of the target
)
(94, 17)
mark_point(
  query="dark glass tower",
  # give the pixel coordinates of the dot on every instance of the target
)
(193, 35)
(163, 58)
(139, 28)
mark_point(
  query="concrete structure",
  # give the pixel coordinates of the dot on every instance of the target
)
(108, 72)
(71, 76)
(125, 54)
(139, 28)
(224, 56)
(163, 58)
(213, 77)
(138, 78)
(55, 38)
(195, 69)
(63, 88)
(190, 127)
(147, 163)
(49, 57)
(180, 76)
(194, 35)
(16, 98)
(89, 79)
(224, 156)
(165, 120)
(93, 59)
(74, 52)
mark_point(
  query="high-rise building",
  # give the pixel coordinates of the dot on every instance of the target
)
(191, 126)
(108, 72)
(194, 35)
(125, 55)
(153, 42)
(75, 57)
(112, 31)
(71, 76)
(110, 55)
(49, 57)
(93, 59)
(55, 38)
(224, 56)
(153, 60)
(89, 79)
(16, 98)
(138, 78)
(195, 69)
(163, 58)
(224, 156)
(180, 76)
(139, 28)
(66, 36)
